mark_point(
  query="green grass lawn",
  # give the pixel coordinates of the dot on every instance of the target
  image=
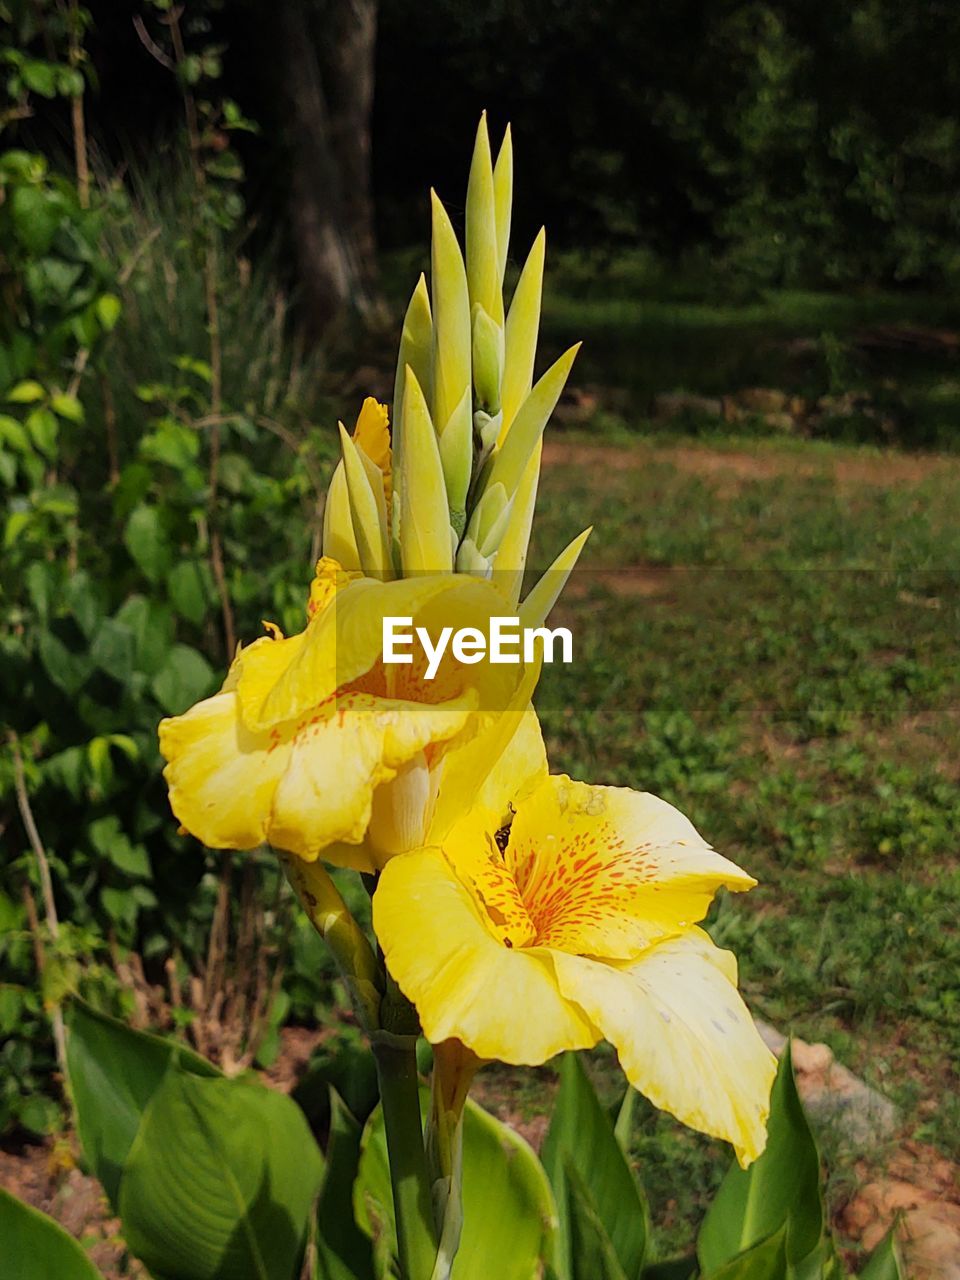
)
(650, 329)
(769, 642)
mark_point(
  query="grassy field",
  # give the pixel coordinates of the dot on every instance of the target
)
(767, 638)
(650, 329)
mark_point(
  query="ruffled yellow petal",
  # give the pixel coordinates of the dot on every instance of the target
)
(222, 777)
(372, 432)
(341, 757)
(501, 1003)
(684, 1037)
(302, 786)
(606, 871)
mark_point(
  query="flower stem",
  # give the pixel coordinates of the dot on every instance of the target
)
(396, 1058)
(329, 915)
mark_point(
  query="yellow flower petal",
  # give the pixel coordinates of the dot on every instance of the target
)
(340, 757)
(340, 645)
(222, 777)
(606, 871)
(501, 1003)
(372, 433)
(302, 786)
(684, 1036)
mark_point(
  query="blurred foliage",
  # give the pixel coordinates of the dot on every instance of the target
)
(152, 397)
(802, 143)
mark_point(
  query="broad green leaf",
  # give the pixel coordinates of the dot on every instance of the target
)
(114, 649)
(68, 407)
(187, 588)
(884, 1262)
(28, 392)
(112, 843)
(582, 1136)
(34, 1247)
(781, 1187)
(152, 624)
(591, 1249)
(147, 542)
(43, 429)
(765, 1260)
(185, 677)
(509, 1216)
(67, 670)
(114, 1072)
(220, 1181)
(344, 1067)
(343, 1251)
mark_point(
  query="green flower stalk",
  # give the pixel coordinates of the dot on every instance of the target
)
(467, 419)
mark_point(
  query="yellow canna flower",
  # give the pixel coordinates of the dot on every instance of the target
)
(313, 743)
(575, 924)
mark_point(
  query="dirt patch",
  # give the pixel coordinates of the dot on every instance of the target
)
(850, 471)
(630, 583)
(46, 1176)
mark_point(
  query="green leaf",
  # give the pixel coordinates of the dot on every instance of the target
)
(41, 77)
(781, 1187)
(114, 649)
(13, 434)
(112, 843)
(582, 1136)
(37, 1248)
(40, 1114)
(28, 392)
(344, 1067)
(107, 309)
(884, 1262)
(68, 407)
(36, 217)
(147, 542)
(220, 1181)
(187, 588)
(66, 670)
(114, 1072)
(152, 625)
(509, 1213)
(43, 428)
(591, 1251)
(185, 677)
(343, 1251)
(763, 1261)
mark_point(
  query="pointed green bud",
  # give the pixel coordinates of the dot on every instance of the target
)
(452, 337)
(339, 540)
(470, 560)
(487, 359)
(456, 454)
(416, 350)
(503, 198)
(489, 519)
(511, 557)
(520, 336)
(536, 608)
(486, 430)
(483, 259)
(424, 514)
(368, 509)
(527, 427)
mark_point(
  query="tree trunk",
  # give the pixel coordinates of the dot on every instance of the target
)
(326, 71)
